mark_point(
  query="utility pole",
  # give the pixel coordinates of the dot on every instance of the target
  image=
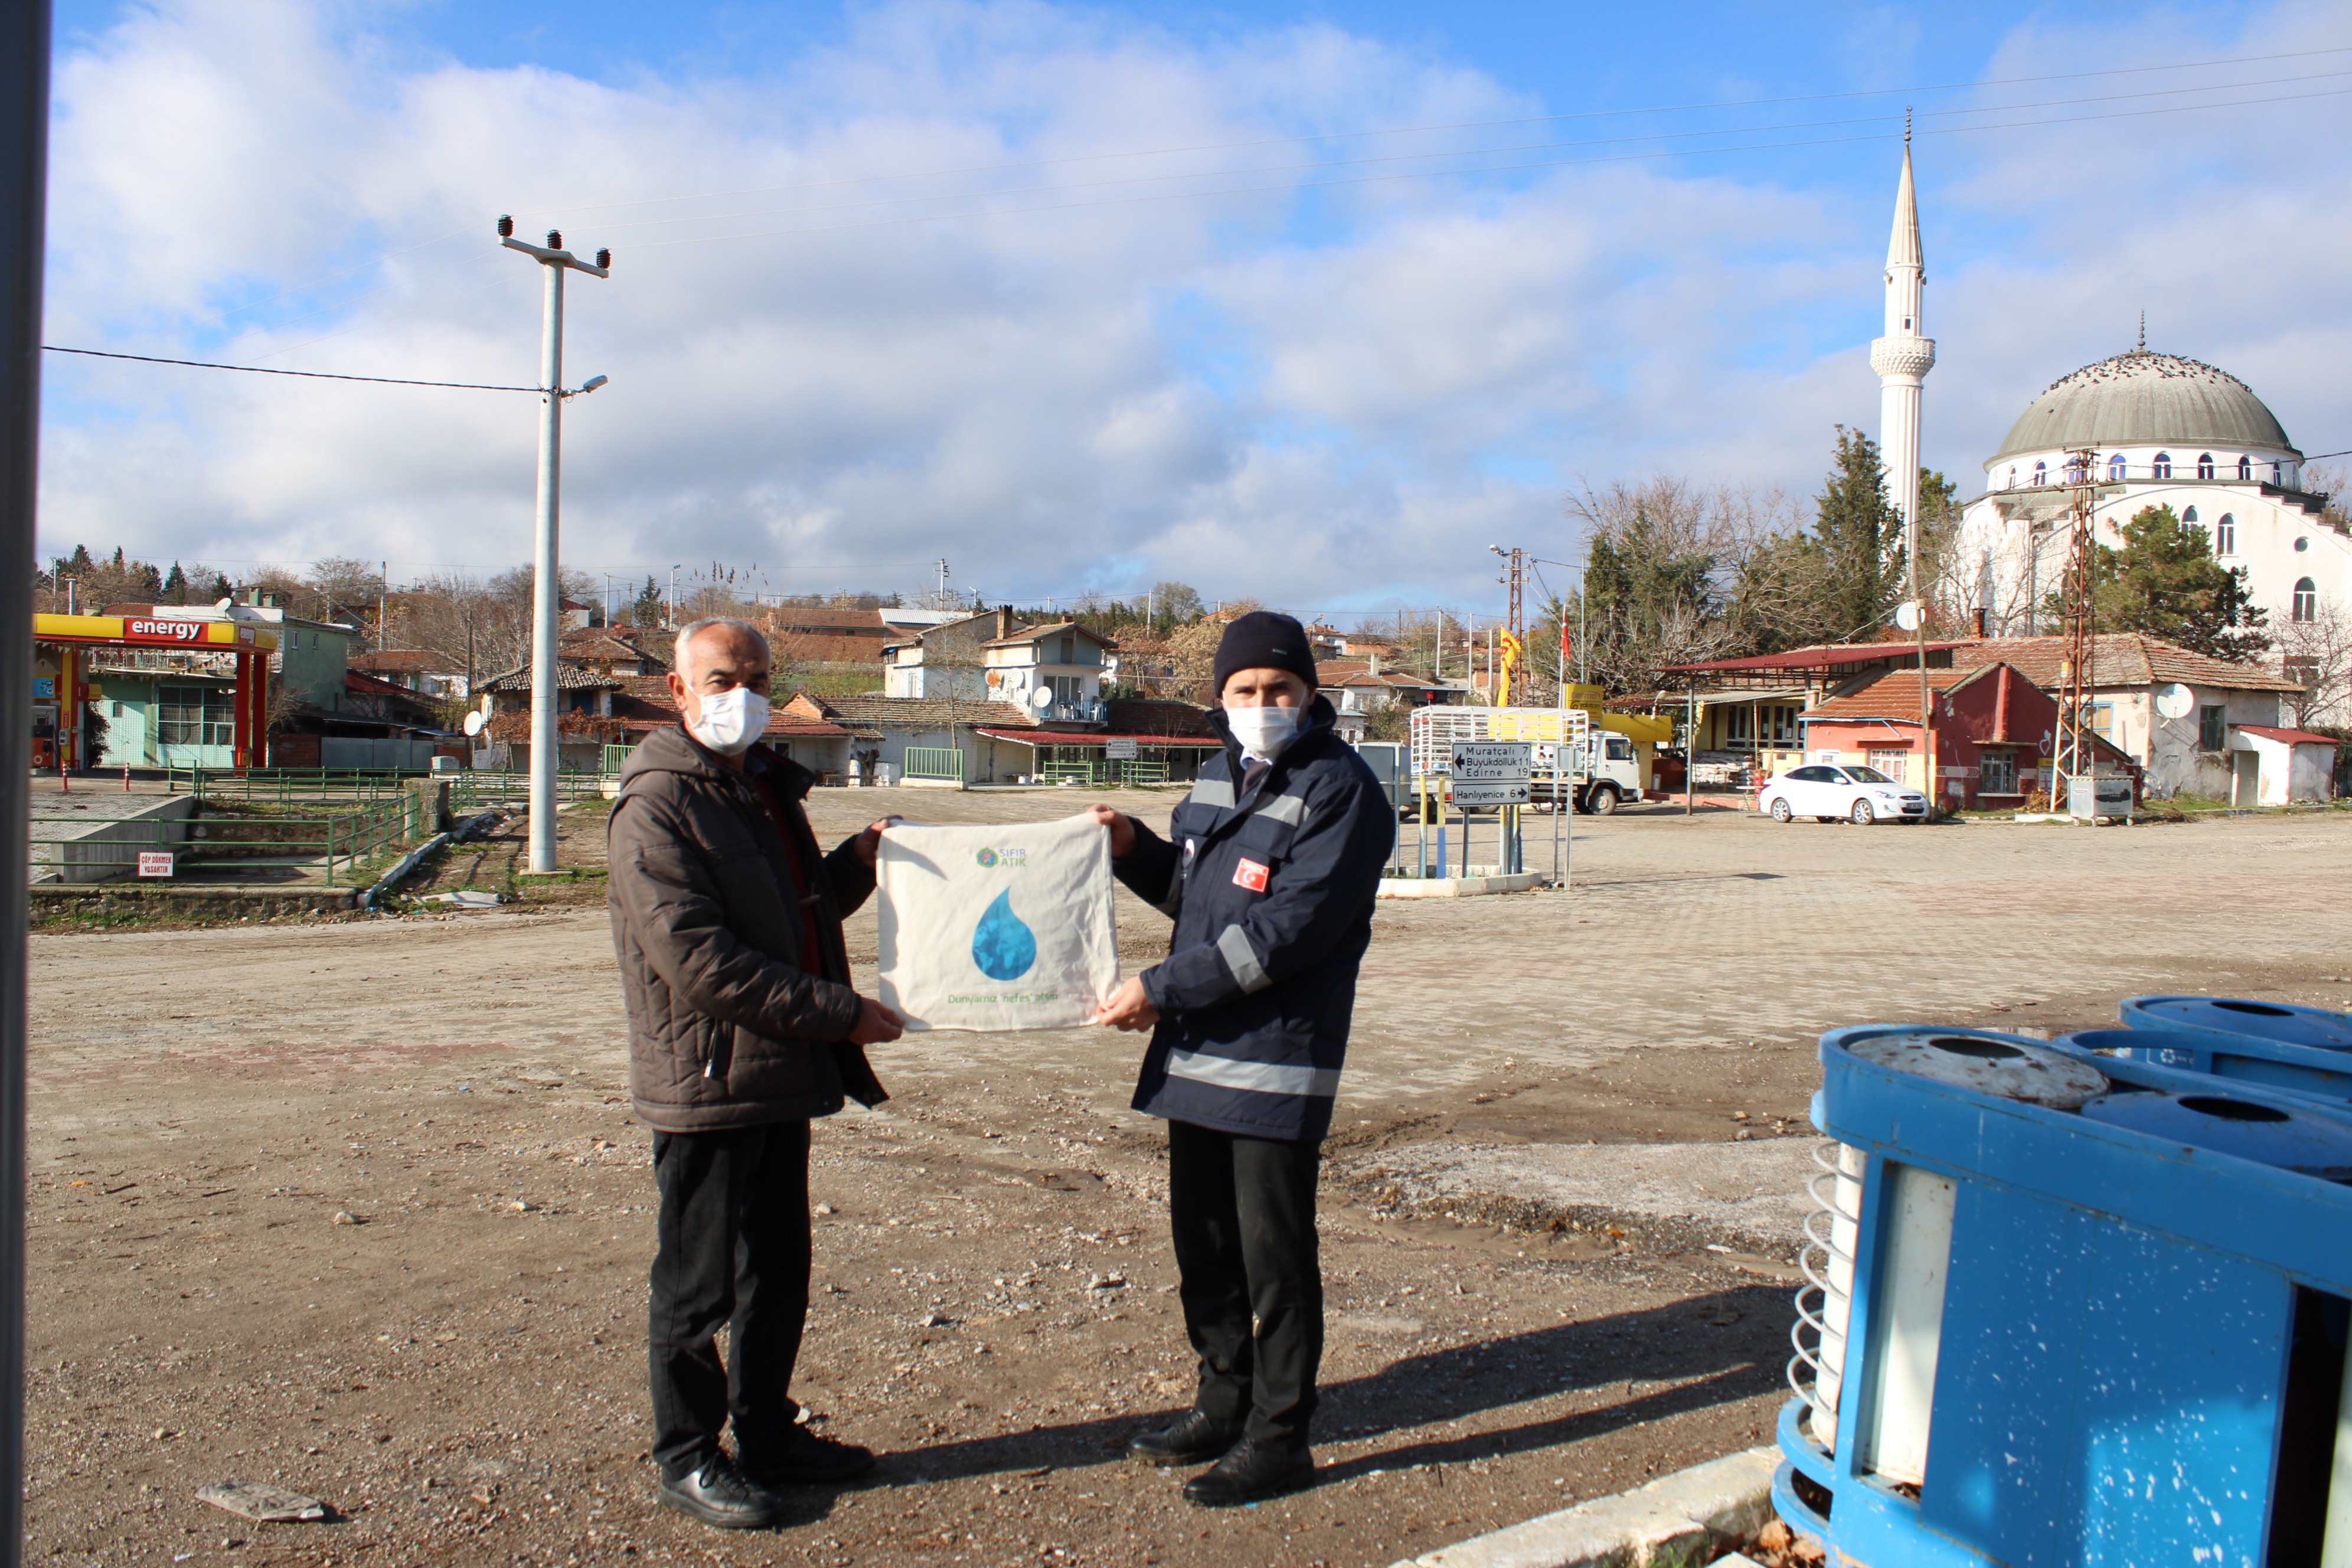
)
(673, 594)
(943, 600)
(546, 589)
(24, 201)
(383, 604)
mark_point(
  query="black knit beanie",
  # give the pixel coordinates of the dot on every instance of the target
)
(1264, 639)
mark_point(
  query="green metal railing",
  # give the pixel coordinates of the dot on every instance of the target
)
(616, 758)
(473, 791)
(935, 762)
(283, 785)
(1104, 771)
(340, 843)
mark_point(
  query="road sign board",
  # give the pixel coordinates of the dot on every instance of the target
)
(155, 862)
(1513, 793)
(1490, 773)
(1120, 749)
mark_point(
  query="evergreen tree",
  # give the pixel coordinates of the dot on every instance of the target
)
(648, 610)
(2165, 582)
(222, 587)
(175, 586)
(1649, 595)
(1862, 534)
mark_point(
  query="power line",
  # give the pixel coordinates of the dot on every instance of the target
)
(308, 374)
(1461, 125)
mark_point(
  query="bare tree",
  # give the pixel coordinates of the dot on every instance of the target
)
(2318, 654)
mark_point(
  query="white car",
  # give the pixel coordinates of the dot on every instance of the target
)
(1861, 796)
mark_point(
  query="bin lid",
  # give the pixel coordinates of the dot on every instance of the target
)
(2280, 1021)
(2266, 1134)
(2002, 1066)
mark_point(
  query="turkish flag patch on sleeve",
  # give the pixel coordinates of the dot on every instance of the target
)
(1251, 874)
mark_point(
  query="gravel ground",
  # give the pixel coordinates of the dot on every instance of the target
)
(360, 1209)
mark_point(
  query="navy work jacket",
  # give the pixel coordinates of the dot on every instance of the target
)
(1272, 891)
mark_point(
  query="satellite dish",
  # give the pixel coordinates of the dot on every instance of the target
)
(1041, 698)
(1907, 614)
(474, 722)
(2175, 700)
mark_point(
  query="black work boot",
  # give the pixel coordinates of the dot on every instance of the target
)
(1253, 1470)
(717, 1496)
(802, 1458)
(1193, 1440)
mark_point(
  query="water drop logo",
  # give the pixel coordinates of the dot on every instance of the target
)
(1001, 945)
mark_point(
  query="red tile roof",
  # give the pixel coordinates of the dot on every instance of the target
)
(2123, 659)
(2291, 737)
(1820, 656)
(1891, 693)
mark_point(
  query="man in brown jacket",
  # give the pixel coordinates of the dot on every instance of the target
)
(742, 1027)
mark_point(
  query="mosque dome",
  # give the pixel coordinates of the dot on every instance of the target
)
(2146, 399)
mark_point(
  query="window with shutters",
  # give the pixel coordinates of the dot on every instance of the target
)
(2212, 725)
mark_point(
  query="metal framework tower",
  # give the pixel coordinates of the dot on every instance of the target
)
(2077, 689)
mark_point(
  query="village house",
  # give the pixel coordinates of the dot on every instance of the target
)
(429, 675)
(1994, 732)
(2197, 752)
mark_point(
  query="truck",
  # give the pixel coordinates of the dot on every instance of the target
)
(1592, 766)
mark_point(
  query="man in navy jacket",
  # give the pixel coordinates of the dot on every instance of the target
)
(1269, 870)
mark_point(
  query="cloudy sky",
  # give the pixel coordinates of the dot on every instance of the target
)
(1310, 301)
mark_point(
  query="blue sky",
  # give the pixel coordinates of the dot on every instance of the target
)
(1288, 373)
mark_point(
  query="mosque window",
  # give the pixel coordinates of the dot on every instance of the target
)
(2116, 469)
(2246, 468)
(2188, 516)
(2013, 477)
(2225, 535)
(2274, 474)
(2040, 474)
(2204, 464)
(2161, 468)
(2306, 600)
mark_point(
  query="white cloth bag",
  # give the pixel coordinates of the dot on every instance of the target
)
(1004, 927)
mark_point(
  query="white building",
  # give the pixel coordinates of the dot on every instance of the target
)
(2160, 430)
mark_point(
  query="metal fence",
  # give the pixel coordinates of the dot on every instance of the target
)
(935, 762)
(473, 791)
(335, 845)
(1104, 771)
(284, 786)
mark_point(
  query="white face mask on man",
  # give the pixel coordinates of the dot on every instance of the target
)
(729, 721)
(1263, 731)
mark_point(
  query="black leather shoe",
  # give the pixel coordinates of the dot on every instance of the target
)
(1253, 1470)
(1194, 1440)
(802, 1458)
(719, 1497)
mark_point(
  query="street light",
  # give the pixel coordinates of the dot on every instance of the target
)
(547, 591)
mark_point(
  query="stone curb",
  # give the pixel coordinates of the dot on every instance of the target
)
(1459, 887)
(1679, 1519)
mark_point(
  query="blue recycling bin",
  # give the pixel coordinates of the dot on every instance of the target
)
(2071, 1310)
(2310, 1070)
(2280, 1021)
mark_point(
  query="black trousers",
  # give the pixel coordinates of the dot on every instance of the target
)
(1243, 1210)
(732, 1248)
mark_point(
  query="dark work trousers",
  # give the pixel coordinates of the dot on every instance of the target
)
(731, 1248)
(1243, 1210)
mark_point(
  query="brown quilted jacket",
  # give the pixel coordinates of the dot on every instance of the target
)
(726, 1026)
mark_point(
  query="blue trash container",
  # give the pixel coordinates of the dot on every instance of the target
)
(2280, 1021)
(2295, 1069)
(2088, 1326)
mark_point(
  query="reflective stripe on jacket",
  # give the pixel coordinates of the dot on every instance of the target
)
(1272, 892)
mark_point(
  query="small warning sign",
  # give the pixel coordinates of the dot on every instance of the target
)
(155, 862)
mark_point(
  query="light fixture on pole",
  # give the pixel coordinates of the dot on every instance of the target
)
(547, 590)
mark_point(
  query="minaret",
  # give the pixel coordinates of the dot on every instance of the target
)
(1903, 359)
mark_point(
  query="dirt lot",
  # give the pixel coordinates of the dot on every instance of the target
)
(360, 1208)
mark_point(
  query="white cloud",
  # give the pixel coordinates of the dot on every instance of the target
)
(1339, 397)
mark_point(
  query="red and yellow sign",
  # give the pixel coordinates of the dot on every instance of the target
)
(154, 631)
